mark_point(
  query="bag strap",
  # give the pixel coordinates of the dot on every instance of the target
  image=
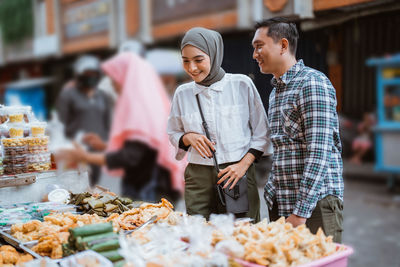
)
(205, 126)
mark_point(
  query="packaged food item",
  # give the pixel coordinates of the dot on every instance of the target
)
(14, 142)
(3, 114)
(34, 141)
(16, 130)
(15, 169)
(40, 166)
(14, 151)
(40, 157)
(15, 114)
(38, 128)
(1, 170)
(59, 195)
(28, 114)
(18, 159)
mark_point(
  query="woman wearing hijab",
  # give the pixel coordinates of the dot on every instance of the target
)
(138, 144)
(236, 120)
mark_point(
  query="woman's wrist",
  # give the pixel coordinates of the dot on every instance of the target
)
(185, 140)
(247, 160)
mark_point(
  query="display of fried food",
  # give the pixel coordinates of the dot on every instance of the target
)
(280, 244)
(10, 256)
(55, 223)
(51, 245)
(134, 218)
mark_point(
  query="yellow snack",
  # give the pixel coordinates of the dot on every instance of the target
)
(12, 142)
(16, 117)
(37, 131)
(16, 132)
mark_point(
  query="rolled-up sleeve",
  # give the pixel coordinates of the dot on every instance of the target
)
(258, 122)
(175, 128)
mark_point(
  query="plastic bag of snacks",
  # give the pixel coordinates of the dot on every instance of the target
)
(15, 152)
(16, 130)
(38, 128)
(15, 114)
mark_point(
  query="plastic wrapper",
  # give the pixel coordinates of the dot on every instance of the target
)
(3, 114)
(24, 212)
(15, 114)
(38, 158)
(188, 243)
(14, 142)
(12, 169)
(15, 160)
(43, 262)
(38, 129)
(86, 258)
(15, 130)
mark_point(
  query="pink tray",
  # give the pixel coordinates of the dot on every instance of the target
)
(338, 259)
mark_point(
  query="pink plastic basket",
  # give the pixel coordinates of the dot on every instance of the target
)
(338, 259)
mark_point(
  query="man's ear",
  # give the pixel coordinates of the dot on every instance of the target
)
(284, 45)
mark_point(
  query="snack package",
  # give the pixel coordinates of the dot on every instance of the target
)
(38, 128)
(16, 130)
(15, 114)
(86, 258)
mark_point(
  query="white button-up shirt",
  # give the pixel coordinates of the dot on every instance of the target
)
(235, 115)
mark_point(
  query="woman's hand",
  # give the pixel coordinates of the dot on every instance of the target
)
(94, 141)
(72, 156)
(236, 171)
(200, 143)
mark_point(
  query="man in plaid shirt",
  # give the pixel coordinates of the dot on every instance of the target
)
(306, 185)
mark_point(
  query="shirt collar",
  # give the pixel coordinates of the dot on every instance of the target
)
(288, 75)
(218, 86)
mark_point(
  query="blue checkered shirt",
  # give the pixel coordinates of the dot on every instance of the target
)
(307, 164)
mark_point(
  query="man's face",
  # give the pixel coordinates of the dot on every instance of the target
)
(267, 53)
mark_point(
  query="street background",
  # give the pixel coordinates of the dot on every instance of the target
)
(355, 43)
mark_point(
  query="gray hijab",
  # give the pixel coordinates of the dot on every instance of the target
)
(210, 42)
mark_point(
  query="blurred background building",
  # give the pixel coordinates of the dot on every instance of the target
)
(41, 38)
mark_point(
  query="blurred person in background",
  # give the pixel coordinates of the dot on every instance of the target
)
(363, 143)
(105, 83)
(168, 64)
(236, 119)
(138, 147)
(82, 108)
(306, 185)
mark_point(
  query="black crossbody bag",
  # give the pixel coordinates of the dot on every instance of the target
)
(235, 200)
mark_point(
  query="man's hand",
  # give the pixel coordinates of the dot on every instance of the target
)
(295, 220)
(200, 143)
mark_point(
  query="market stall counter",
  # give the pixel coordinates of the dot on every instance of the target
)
(34, 187)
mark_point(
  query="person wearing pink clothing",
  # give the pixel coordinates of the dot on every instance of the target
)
(138, 146)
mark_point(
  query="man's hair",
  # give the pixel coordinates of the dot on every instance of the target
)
(279, 28)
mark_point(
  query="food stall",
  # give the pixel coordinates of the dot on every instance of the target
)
(387, 131)
(52, 218)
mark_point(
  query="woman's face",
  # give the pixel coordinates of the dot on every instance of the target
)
(196, 63)
(117, 86)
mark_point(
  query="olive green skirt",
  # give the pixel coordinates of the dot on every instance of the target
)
(201, 196)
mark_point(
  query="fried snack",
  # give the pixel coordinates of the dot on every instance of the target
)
(16, 132)
(280, 244)
(7, 248)
(134, 218)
